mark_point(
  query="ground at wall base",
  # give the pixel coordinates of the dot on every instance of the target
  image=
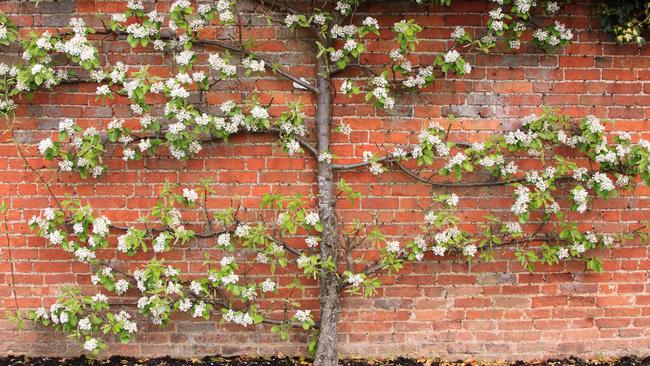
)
(287, 361)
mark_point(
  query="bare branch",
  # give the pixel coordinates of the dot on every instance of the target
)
(286, 246)
(279, 6)
(362, 164)
(21, 155)
(335, 69)
(413, 175)
(203, 235)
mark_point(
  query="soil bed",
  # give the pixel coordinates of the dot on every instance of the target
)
(288, 361)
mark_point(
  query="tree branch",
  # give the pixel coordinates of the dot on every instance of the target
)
(413, 175)
(204, 42)
(286, 246)
(335, 69)
(279, 6)
(377, 266)
(21, 155)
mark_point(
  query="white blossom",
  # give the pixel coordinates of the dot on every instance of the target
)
(243, 319)
(198, 309)
(268, 285)
(579, 248)
(452, 200)
(144, 145)
(101, 226)
(513, 228)
(312, 218)
(84, 255)
(350, 45)
(190, 194)
(430, 218)
(523, 6)
(67, 126)
(242, 230)
(259, 112)
(303, 315)
(396, 55)
(346, 87)
(223, 239)
(320, 19)
(522, 199)
(469, 250)
(371, 22)
(184, 305)
(376, 168)
(325, 157)
(302, 261)
(253, 65)
(400, 27)
(44, 145)
(580, 198)
(565, 33)
(311, 241)
(230, 279)
(603, 181)
(160, 243)
(458, 33)
(41, 313)
(121, 286)
(593, 124)
(226, 261)
(540, 34)
(290, 20)
(552, 7)
(438, 250)
(262, 258)
(119, 18)
(129, 154)
(56, 237)
(345, 31)
(399, 153)
(456, 160)
(293, 147)
(497, 13)
(65, 165)
(91, 344)
(99, 297)
(355, 279)
(393, 246)
(336, 55)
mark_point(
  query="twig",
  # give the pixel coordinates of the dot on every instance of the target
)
(12, 268)
(411, 174)
(21, 155)
(335, 69)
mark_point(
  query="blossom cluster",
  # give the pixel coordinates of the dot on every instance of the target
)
(554, 36)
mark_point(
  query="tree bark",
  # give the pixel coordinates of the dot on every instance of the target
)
(326, 352)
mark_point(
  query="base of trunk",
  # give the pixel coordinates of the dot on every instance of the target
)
(326, 351)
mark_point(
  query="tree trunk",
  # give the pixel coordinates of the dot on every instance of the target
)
(326, 352)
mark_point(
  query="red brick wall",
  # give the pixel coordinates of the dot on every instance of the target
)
(445, 308)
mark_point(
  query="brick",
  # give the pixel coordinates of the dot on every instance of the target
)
(442, 306)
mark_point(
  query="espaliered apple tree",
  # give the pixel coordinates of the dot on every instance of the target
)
(339, 38)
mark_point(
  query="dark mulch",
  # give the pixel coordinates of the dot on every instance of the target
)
(288, 361)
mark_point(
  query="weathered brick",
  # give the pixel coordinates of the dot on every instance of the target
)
(440, 306)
